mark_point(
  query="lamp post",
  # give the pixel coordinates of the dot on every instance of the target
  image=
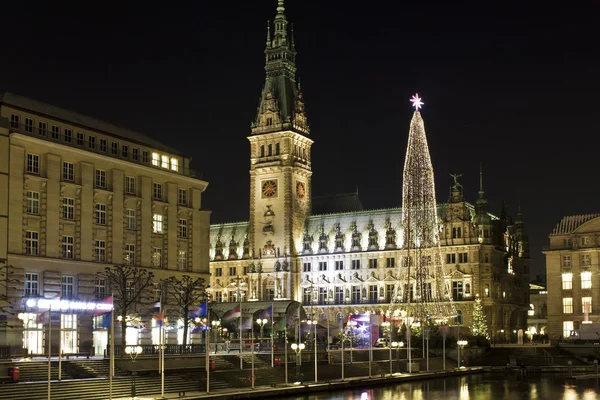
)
(261, 323)
(461, 344)
(297, 347)
(133, 352)
(215, 326)
(397, 346)
(352, 325)
(392, 345)
(314, 324)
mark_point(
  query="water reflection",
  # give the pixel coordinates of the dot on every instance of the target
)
(475, 387)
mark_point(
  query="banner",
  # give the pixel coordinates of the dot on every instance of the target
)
(279, 325)
(266, 313)
(157, 312)
(200, 311)
(43, 317)
(106, 306)
(231, 314)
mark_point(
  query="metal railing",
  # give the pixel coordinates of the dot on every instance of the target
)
(170, 349)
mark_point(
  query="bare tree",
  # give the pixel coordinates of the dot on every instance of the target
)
(7, 283)
(188, 293)
(131, 286)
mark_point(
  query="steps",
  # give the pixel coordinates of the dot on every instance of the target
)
(32, 371)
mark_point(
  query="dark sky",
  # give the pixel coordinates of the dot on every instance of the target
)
(513, 85)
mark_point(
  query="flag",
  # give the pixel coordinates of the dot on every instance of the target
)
(231, 314)
(158, 315)
(200, 311)
(43, 317)
(103, 307)
(247, 322)
(279, 325)
(266, 313)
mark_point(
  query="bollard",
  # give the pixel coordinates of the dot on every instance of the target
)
(570, 368)
(596, 366)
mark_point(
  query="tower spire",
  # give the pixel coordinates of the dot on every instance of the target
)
(268, 34)
(481, 193)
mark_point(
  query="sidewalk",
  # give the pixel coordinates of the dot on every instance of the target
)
(292, 389)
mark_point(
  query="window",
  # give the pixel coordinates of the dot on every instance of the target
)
(124, 151)
(390, 262)
(586, 305)
(373, 293)
(355, 294)
(174, 164)
(567, 243)
(157, 223)
(67, 246)
(182, 228)
(276, 149)
(372, 263)
(487, 290)
(157, 193)
(567, 281)
(100, 178)
(101, 214)
(586, 260)
(218, 271)
(100, 251)
(567, 328)
(487, 258)
(100, 288)
(80, 139)
(145, 157)
(456, 233)
(33, 163)
(355, 264)
(339, 295)
(92, 142)
(28, 125)
(130, 289)
(458, 320)
(322, 265)
(339, 265)
(156, 257)
(566, 261)
(130, 218)
(182, 260)
(567, 305)
(322, 295)
(67, 287)
(164, 161)
(31, 284)
(15, 121)
(32, 243)
(55, 132)
(450, 258)
(218, 296)
(182, 197)
(389, 292)
(586, 280)
(457, 290)
(33, 202)
(135, 154)
(306, 267)
(129, 254)
(42, 128)
(114, 148)
(463, 257)
(103, 145)
(68, 208)
(307, 296)
(155, 159)
(68, 136)
(262, 150)
(68, 171)
(232, 271)
(130, 185)
(584, 240)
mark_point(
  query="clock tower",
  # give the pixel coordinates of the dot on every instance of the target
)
(280, 153)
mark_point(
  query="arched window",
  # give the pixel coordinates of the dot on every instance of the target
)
(262, 150)
(270, 150)
(276, 149)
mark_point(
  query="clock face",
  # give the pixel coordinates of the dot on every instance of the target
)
(269, 188)
(300, 190)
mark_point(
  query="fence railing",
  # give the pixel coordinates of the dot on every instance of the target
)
(170, 349)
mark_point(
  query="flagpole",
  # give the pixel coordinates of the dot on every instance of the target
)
(161, 354)
(59, 349)
(252, 344)
(240, 301)
(272, 339)
(285, 347)
(207, 351)
(49, 346)
(111, 371)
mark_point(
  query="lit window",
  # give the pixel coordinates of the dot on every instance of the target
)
(31, 284)
(531, 311)
(155, 159)
(567, 328)
(156, 257)
(67, 286)
(586, 280)
(174, 164)
(157, 223)
(567, 305)
(67, 246)
(165, 161)
(586, 305)
(182, 260)
(129, 254)
(567, 281)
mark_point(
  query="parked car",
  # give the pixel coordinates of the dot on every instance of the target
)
(382, 342)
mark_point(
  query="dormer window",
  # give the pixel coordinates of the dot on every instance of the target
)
(269, 121)
(155, 159)
(165, 161)
(174, 164)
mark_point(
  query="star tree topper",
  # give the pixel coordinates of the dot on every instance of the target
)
(416, 100)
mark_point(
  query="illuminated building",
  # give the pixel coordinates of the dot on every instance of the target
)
(330, 253)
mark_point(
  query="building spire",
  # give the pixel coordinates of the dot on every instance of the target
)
(481, 192)
(268, 34)
(280, 38)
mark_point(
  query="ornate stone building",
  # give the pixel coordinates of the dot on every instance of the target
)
(77, 195)
(331, 254)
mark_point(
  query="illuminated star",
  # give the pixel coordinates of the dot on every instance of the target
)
(416, 100)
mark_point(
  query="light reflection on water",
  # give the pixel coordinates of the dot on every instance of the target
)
(475, 387)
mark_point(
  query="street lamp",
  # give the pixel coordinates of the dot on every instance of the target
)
(397, 346)
(261, 323)
(215, 326)
(297, 347)
(133, 352)
(461, 344)
(314, 324)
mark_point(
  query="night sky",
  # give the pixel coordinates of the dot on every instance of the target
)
(512, 86)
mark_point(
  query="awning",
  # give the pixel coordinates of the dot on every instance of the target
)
(282, 310)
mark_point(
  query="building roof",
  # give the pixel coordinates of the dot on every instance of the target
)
(83, 121)
(337, 203)
(570, 223)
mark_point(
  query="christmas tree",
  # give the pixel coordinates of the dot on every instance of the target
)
(479, 324)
